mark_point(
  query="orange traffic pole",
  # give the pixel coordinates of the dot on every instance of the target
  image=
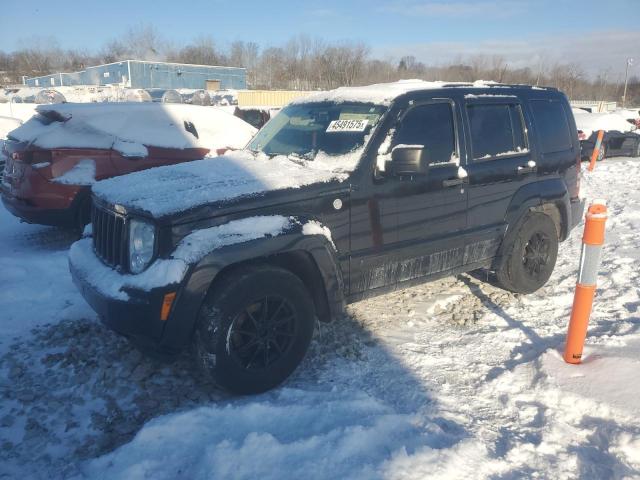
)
(592, 241)
(596, 151)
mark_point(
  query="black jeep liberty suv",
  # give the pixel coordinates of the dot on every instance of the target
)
(342, 195)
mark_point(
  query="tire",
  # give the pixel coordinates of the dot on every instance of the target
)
(637, 150)
(254, 330)
(529, 255)
(602, 153)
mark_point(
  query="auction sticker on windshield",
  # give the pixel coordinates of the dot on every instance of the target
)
(355, 125)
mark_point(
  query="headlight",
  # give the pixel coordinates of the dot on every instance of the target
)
(142, 237)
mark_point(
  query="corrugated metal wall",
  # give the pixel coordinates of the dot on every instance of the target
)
(174, 75)
(147, 75)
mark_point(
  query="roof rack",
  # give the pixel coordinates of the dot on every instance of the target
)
(492, 84)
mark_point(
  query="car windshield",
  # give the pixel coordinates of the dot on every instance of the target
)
(306, 129)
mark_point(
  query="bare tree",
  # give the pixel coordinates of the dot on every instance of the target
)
(305, 63)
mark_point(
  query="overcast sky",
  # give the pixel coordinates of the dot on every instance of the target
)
(597, 35)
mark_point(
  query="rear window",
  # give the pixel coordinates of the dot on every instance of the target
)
(552, 125)
(496, 129)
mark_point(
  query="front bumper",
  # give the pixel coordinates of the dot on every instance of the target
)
(43, 216)
(55, 217)
(130, 311)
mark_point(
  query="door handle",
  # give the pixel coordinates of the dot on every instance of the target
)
(452, 182)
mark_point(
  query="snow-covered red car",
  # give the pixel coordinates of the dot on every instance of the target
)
(55, 157)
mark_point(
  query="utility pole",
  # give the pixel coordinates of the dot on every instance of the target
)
(626, 78)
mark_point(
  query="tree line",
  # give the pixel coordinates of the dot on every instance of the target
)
(305, 63)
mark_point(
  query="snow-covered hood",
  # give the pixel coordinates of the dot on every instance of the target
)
(171, 189)
(130, 127)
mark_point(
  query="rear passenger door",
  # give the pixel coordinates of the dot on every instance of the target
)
(498, 163)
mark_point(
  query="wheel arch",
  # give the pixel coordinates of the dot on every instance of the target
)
(310, 257)
(548, 196)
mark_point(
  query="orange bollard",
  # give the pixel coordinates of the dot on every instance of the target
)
(592, 241)
(596, 151)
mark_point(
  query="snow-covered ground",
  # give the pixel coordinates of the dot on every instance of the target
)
(452, 379)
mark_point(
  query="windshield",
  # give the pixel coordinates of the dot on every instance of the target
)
(307, 129)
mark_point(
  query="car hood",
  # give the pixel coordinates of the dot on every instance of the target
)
(169, 190)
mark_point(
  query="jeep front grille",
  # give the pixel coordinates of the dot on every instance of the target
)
(109, 236)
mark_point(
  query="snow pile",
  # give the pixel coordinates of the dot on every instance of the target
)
(176, 188)
(36, 285)
(164, 272)
(592, 122)
(384, 93)
(288, 434)
(82, 173)
(130, 127)
(615, 364)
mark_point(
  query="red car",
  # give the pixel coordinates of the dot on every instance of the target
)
(55, 157)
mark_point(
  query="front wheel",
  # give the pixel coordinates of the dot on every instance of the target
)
(254, 330)
(529, 254)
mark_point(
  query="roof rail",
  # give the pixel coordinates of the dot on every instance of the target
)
(496, 84)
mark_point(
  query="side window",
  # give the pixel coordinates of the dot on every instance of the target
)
(432, 126)
(496, 129)
(552, 125)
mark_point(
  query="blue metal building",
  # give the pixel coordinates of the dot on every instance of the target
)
(142, 74)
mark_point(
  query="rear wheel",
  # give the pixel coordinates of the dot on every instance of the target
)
(255, 329)
(529, 255)
(602, 153)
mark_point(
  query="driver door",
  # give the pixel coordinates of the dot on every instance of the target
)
(422, 217)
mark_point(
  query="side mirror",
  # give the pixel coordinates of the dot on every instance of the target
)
(408, 160)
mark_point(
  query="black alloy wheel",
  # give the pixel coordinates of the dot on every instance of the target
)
(536, 255)
(528, 254)
(262, 333)
(254, 328)
(602, 152)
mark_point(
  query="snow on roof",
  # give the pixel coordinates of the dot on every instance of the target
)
(130, 127)
(165, 190)
(629, 113)
(591, 122)
(385, 93)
